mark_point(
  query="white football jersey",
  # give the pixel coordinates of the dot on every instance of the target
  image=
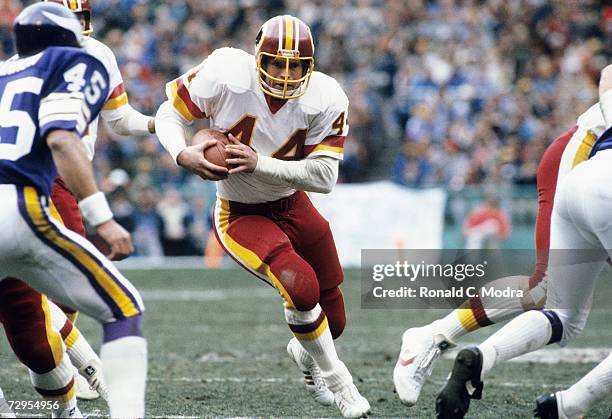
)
(225, 88)
(115, 106)
(589, 126)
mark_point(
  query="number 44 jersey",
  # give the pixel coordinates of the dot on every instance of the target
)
(225, 88)
(58, 88)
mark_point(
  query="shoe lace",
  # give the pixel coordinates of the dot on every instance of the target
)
(317, 378)
(424, 362)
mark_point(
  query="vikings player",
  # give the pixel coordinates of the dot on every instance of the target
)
(49, 94)
(124, 120)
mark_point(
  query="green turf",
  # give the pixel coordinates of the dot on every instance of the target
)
(226, 356)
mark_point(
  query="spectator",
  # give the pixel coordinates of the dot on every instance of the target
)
(486, 226)
(443, 92)
(148, 225)
(174, 213)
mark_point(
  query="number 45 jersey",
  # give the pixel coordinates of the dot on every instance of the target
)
(225, 88)
(58, 88)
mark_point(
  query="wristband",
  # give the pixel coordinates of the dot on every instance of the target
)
(95, 209)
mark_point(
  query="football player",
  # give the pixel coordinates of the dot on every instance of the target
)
(287, 124)
(422, 346)
(124, 120)
(49, 94)
(581, 240)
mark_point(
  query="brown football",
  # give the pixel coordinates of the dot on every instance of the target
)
(215, 154)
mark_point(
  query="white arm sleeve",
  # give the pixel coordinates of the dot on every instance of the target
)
(170, 128)
(131, 123)
(318, 174)
(605, 103)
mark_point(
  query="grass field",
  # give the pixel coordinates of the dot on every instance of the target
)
(217, 348)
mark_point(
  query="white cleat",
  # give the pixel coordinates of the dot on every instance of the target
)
(82, 389)
(90, 383)
(420, 349)
(312, 374)
(5, 409)
(72, 412)
(351, 403)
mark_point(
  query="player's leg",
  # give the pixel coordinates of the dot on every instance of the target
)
(86, 362)
(576, 401)
(24, 313)
(312, 239)
(65, 209)
(482, 312)
(70, 269)
(575, 263)
(261, 246)
(422, 346)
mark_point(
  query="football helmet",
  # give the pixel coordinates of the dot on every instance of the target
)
(43, 25)
(289, 39)
(81, 8)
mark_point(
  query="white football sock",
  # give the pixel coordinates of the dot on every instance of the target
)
(303, 357)
(77, 347)
(58, 378)
(464, 319)
(124, 363)
(450, 326)
(592, 388)
(526, 333)
(81, 353)
(316, 338)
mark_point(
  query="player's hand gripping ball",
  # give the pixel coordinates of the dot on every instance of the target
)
(215, 154)
(205, 156)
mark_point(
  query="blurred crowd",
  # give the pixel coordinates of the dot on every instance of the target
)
(442, 93)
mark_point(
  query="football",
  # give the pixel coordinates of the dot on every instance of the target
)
(215, 154)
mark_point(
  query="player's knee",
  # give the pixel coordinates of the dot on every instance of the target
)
(121, 328)
(34, 351)
(565, 324)
(572, 323)
(302, 288)
(332, 303)
(298, 279)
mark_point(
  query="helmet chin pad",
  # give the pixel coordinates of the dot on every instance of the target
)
(279, 93)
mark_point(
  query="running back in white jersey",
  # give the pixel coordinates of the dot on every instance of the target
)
(224, 88)
(115, 106)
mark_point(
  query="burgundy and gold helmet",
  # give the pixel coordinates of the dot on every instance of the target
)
(287, 38)
(80, 7)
